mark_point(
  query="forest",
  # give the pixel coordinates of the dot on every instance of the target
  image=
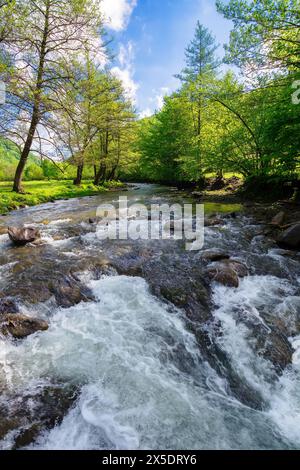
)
(67, 116)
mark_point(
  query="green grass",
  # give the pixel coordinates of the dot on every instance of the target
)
(226, 175)
(38, 192)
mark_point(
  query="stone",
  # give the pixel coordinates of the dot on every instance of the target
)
(8, 305)
(214, 255)
(228, 277)
(290, 238)
(20, 326)
(278, 219)
(239, 267)
(22, 236)
(212, 222)
(69, 292)
(227, 272)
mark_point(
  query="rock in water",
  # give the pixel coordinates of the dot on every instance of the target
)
(290, 238)
(214, 255)
(226, 276)
(227, 272)
(211, 222)
(279, 218)
(21, 326)
(22, 236)
(8, 306)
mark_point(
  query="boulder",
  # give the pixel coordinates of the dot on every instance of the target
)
(278, 219)
(8, 306)
(214, 255)
(226, 276)
(227, 272)
(22, 236)
(213, 221)
(69, 292)
(21, 326)
(239, 267)
(290, 238)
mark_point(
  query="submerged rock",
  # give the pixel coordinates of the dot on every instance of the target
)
(227, 272)
(39, 410)
(22, 236)
(21, 326)
(290, 238)
(69, 291)
(226, 276)
(211, 222)
(8, 305)
(214, 255)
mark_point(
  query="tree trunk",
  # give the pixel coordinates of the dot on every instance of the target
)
(78, 179)
(17, 186)
(112, 174)
(100, 176)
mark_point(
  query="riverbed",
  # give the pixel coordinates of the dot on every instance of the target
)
(143, 351)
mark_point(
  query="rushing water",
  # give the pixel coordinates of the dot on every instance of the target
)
(141, 378)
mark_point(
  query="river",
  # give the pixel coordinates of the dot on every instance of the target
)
(142, 351)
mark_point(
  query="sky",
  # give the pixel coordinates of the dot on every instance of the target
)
(149, 40)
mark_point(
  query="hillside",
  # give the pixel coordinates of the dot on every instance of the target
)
(9, 157)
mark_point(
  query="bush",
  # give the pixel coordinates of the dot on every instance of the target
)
(268, 188)
(33, 172)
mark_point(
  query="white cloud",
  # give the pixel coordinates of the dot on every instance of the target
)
(125, 70)
(158, 98)
(117, 13)
(146, 113)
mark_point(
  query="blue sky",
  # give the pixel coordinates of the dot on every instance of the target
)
(149, 41)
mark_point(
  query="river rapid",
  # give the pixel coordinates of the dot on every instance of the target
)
(143, 351)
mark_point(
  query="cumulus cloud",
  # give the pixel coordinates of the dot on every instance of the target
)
(125, 70)
(146, 113)
(158, 99)
(117, 13)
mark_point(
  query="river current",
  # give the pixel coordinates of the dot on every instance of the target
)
(128, 358)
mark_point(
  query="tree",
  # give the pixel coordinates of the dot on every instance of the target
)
(167, 142)
(200, 70)
(265, 34)
(114, 119)
(7, 11)
(46, 34)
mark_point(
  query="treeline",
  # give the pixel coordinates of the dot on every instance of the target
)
(62, 101)
(219, 122)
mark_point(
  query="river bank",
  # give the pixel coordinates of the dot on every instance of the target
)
(40, 192)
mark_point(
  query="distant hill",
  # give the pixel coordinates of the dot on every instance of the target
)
(9, 158)
(9, 154)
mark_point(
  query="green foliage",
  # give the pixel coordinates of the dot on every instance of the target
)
(38, 192)
(266, 33)
(33, 172)
(217, 124)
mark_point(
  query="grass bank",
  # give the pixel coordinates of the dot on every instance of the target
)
(38, 192)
